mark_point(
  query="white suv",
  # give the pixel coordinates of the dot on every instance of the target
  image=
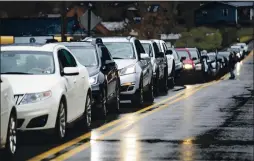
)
(135, 68)
(51, 88)
(171, 62)
(8, 138)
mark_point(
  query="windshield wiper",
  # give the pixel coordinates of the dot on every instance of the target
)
(16, 73)
(117, 58)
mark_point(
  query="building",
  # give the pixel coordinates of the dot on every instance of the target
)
(224, 13)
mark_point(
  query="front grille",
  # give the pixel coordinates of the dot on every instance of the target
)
(18, 98)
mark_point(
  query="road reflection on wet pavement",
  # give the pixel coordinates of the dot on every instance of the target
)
(211, 121)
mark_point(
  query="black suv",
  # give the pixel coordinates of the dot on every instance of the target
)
(103, 73)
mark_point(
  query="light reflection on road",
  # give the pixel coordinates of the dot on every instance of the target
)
(130, 147)
(187, 150)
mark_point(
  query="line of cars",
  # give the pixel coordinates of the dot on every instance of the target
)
(50, 85)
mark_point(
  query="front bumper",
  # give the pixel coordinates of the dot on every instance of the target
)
(129, 84)
(96, 95)
(37, 116)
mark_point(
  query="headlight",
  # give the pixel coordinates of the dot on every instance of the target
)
(35, 97)
(128, 70)
(187, 66)
(93, 79)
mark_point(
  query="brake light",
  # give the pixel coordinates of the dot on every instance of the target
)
(188, 61)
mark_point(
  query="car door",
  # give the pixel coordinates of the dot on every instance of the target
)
(110, 72)
(144, 63)
(4, 110)
(71, 85)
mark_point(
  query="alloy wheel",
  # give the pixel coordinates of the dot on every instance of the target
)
(88, 111)
(12, 135)
(62, 121)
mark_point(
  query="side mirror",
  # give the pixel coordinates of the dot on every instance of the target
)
(70, 71)
(159, 55)
(169, 52)
(194, 58)
(183, 58)
(109, 62)
(144, 55)
(204, 57)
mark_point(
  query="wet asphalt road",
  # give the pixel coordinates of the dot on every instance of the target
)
(210, 121)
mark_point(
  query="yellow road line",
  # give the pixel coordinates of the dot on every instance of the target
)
(87, 135)
(122, 126)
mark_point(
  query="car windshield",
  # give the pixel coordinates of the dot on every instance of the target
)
(183, 53)
(148, 48)
(234, 49)
(27, 62)
(86, 55)
(194, 54)
(224, 53)
(120, 50)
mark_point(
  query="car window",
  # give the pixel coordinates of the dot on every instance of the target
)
(105, 54)
(148, 48)
(139, 47)
(69, 60)
(27, 62)
(194, 54)
(175, 54)
(183, 53)
(158, 44)
(87, 56)
(120, 50)
(165, 47)
(156, 48)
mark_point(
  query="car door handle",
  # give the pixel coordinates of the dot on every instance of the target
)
(5, 95)
(75, 80)
(83, 76)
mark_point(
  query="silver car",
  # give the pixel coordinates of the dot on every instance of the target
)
(135, 68)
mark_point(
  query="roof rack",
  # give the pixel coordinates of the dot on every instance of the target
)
(97, 41)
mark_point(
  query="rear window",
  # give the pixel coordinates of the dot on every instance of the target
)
(194, 54)
(183, 53)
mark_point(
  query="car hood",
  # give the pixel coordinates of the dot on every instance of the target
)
(22, 84)
(93, 70)
(122, 63)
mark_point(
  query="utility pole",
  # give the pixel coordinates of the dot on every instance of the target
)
(89, 20)
(63, 21)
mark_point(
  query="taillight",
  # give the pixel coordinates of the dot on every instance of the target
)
(189, 62)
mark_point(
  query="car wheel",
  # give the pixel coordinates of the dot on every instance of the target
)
(156, 88)
(88, 112)
(165, 84)
(171, 81)
(149, 95)
(103, 104)
(11, 145)
(116, 106)
(138, 98)
(61, 122)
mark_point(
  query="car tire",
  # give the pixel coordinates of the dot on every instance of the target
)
(171, 81)
(103, 104)
(11, 144)
(164, 83)
(138, 98)
(88, 112)
(61, 122)
(156, 88)
(116, 102)
(149, 95)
